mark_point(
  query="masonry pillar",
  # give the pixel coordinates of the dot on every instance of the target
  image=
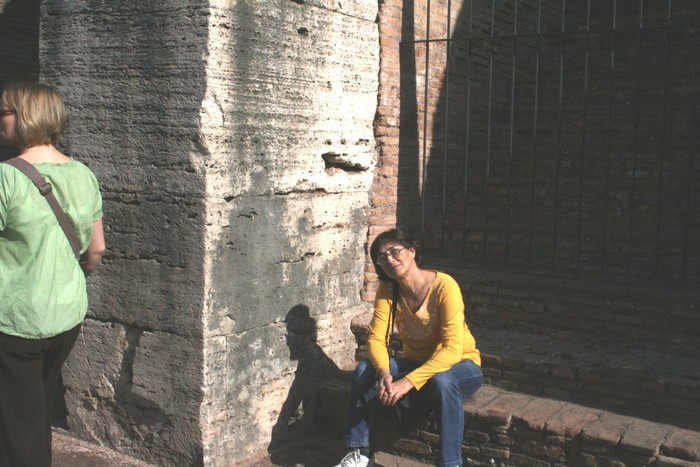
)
(234, 145)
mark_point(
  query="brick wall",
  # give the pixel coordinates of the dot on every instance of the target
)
(593, 173)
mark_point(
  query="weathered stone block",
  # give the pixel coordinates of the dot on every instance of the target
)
(234, 146)
(96, 363)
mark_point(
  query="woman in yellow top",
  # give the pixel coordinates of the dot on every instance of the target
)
(440, 359)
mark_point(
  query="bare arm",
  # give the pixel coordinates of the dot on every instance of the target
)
(91, 258)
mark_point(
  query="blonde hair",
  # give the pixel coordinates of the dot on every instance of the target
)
(41, 115)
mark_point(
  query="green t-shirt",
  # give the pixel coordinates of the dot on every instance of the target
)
(42, 288)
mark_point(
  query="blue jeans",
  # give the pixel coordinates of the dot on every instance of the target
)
(445, 393)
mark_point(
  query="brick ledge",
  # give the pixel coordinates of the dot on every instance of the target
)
(508, 428)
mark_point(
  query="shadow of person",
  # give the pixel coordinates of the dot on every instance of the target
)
(293, 442)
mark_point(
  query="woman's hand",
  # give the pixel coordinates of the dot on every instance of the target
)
(390, 391)
(384, 380)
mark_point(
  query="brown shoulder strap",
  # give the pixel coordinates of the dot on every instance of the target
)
(45, 189)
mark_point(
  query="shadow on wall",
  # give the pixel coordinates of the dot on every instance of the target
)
(423, 203)
(19, 47)
(422, 200)
(298, 412)
(407, 212)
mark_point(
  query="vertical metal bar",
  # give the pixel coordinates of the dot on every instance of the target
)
(488, 129)
(425, 120)
(638, 86)
(533, 168)
(583, 136)
(512, 113)
(466, 142)
(611, 101)
(691, 149)
(662, 154)
(447, 121)
(559, 114)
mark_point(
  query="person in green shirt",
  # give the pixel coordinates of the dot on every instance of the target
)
(43, 298)
(440, 366)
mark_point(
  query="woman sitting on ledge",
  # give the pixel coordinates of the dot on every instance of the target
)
(440, 360)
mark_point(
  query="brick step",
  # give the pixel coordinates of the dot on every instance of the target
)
(384, 459)
(657, 381)
(509, 428)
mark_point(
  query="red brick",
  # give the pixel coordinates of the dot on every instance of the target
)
(413, 446)
(564, 372)
(538, 412)
(544, 451)
(644, 437)
(482, 397)
(684, 444)
(571, 420)
(608, 429)
(502, 407)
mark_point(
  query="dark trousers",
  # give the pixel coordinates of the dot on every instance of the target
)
(29, 374)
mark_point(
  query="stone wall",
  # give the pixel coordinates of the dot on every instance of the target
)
(234, 145)
(287, 123)
(133, 75)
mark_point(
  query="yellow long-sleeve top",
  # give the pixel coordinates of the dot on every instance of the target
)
(436, 336)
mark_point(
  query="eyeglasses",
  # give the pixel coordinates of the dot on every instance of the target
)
(393, 254)
(4, 112)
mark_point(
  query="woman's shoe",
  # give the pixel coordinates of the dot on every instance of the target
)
(354, 459)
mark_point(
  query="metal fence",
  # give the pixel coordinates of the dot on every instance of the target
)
(563, 134)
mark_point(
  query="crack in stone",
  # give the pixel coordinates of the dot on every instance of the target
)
(307, 255)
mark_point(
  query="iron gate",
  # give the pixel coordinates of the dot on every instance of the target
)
(562, 134)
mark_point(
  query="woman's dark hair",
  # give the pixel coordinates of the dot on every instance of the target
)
(391, 236)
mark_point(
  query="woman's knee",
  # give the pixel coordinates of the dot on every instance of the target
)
(464, 380)
(471, 380)
(442, 383)
(364, 373)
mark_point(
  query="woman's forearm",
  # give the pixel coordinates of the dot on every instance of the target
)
(96, 249)
(89, 261)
